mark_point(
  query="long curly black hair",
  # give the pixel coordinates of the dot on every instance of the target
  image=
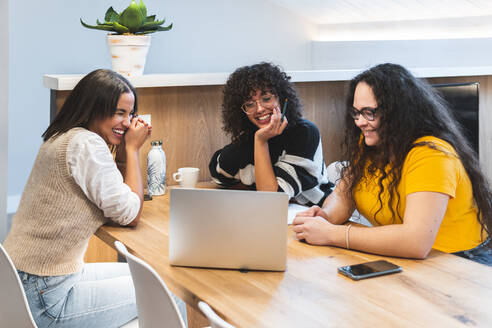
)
(239, 87)
(409, 108)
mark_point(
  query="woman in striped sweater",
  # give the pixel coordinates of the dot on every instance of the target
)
(269, 151)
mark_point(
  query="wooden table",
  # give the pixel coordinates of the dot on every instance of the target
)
(443, 290)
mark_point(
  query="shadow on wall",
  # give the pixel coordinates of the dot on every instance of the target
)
(9, 221)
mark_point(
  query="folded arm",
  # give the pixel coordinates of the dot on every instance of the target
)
(229, 166)
(337, 207)
(413, 238)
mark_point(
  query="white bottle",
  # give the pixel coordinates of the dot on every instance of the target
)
(156, 169)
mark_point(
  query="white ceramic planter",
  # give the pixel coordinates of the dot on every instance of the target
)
(128, 53)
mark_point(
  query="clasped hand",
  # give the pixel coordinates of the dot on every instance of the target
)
(313, 227)
(137, 133)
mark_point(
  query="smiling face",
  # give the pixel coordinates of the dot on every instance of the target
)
(112, 129)
(261, 107)
(364, 99)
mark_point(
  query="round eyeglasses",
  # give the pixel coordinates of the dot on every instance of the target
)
(267, 100)
(367, 112)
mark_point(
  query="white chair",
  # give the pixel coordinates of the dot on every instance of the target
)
(14, 309)
(131, 324)
(155, 305)
(213, 318)
(334, 171)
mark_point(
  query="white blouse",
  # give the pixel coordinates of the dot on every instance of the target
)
(92, 166)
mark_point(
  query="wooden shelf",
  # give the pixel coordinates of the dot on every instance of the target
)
(68, 81)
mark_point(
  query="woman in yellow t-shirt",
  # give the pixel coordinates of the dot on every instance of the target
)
(409, 171)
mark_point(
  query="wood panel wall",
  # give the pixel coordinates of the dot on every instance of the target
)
(187, 120)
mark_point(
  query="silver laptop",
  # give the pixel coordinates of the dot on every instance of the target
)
(230, 229)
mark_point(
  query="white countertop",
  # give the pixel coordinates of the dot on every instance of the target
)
(68, 81)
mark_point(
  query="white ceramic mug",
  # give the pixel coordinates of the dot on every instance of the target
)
(187, 176)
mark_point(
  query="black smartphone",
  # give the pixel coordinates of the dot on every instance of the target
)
(284, 110)
(369, 269)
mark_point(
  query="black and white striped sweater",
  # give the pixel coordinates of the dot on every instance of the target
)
(297, 160)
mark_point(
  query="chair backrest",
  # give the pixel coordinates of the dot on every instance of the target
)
(155, 305)
(334, 171)
(463, 101)
(14, 309)
(213, 318)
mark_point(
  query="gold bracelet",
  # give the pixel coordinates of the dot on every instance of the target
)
(347, 244)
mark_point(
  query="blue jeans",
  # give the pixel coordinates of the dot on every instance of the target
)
(481, 254)
(101, 295)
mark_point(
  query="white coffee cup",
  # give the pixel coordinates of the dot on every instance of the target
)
(187, 176)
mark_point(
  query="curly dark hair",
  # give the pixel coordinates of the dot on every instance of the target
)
(241, 84)
(409, 109)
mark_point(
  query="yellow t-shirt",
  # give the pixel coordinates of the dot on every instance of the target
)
(427, 169)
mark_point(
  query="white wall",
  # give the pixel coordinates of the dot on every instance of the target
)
(208, 36)
(4, 111)
(450, 42)
(444, 28)
(219, 36)
(409, 53)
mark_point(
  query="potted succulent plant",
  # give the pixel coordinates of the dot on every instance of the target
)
(129, 44)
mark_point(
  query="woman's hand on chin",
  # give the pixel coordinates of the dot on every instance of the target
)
(274, 128)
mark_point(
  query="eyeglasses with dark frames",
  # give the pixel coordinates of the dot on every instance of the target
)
(367, 112)
(266, 100)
